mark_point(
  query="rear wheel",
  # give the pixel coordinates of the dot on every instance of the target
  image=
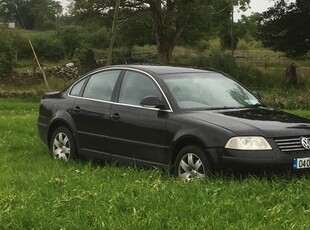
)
(63, 144)
(192, 163)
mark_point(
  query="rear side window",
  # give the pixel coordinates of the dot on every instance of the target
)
(76, 89)
(100, 86)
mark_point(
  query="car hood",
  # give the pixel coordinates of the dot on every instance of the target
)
(256, 121)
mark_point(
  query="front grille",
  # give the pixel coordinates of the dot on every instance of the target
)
(290, 145)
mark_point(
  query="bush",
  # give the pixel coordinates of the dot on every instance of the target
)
(6, 52)
(287, 99)
(22, 47)
(77, 37)
(47, 46)
(202, 45)
(221, 62)
(225, 41)
(85, 57)
(99, 38)
(72, 38)
(121, 55)
(247, 75)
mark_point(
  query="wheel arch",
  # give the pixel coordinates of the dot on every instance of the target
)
(185, 141)
(54, 125)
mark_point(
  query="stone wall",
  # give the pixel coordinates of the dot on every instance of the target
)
(28, 77)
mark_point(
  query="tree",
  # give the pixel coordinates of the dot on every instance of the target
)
(285, 27)
(169, 18)
(172, 18)
(8, 10)
(113, 32)
(246, 27)
(141, 24)
(33, 14)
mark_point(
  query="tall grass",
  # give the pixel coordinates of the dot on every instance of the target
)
(37, 192)
(287, 98)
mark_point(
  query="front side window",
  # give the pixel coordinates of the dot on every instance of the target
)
(100, 86)
(135, 87)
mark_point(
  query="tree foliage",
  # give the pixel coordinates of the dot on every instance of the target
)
(165, 20)
(285, 27)
(78, 37)
(138, 30)
(33, 14)
(48, 46)
(72, 37)
(170, 20)
(246, 27)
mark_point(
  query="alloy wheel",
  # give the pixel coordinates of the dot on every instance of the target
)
(61, 147)
(191, 167)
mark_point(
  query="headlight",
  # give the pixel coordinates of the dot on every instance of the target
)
(248, 143)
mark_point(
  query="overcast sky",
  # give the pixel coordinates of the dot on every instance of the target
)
(256, 6)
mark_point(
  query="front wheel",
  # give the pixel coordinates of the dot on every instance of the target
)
(63, 144)
(192, 163)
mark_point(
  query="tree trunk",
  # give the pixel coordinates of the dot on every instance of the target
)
(113, 33)
(168, 29)
(165, 52)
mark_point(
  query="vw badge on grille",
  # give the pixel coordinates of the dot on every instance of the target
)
(305, 142)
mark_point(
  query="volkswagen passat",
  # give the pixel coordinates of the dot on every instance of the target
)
(188, 120)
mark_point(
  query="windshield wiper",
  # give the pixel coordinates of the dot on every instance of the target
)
(255, 105)
(224, 107)
(237, 107)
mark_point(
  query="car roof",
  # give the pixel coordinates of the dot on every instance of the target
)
(159, 70)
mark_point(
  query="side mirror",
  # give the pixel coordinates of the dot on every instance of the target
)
(153, 102)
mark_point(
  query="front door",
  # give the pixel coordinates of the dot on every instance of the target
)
(139, 132)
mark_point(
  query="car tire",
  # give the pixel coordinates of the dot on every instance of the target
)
(192, 163)
(63, 144)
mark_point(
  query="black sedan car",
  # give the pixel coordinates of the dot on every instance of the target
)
(188, 120)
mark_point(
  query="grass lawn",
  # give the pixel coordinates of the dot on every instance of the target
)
(37, 192)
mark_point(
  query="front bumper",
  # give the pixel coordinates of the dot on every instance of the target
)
(271, 160)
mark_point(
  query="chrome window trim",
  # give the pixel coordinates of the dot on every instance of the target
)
(117, 103)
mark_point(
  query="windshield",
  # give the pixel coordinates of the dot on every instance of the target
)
(208, 91)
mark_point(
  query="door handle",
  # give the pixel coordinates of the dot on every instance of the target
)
(77, 109)
(115, 116)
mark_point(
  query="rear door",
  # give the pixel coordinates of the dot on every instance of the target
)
(91, 114)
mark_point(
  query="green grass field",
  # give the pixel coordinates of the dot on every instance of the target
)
(37, 192)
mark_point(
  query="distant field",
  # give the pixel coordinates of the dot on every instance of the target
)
(37, 192)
